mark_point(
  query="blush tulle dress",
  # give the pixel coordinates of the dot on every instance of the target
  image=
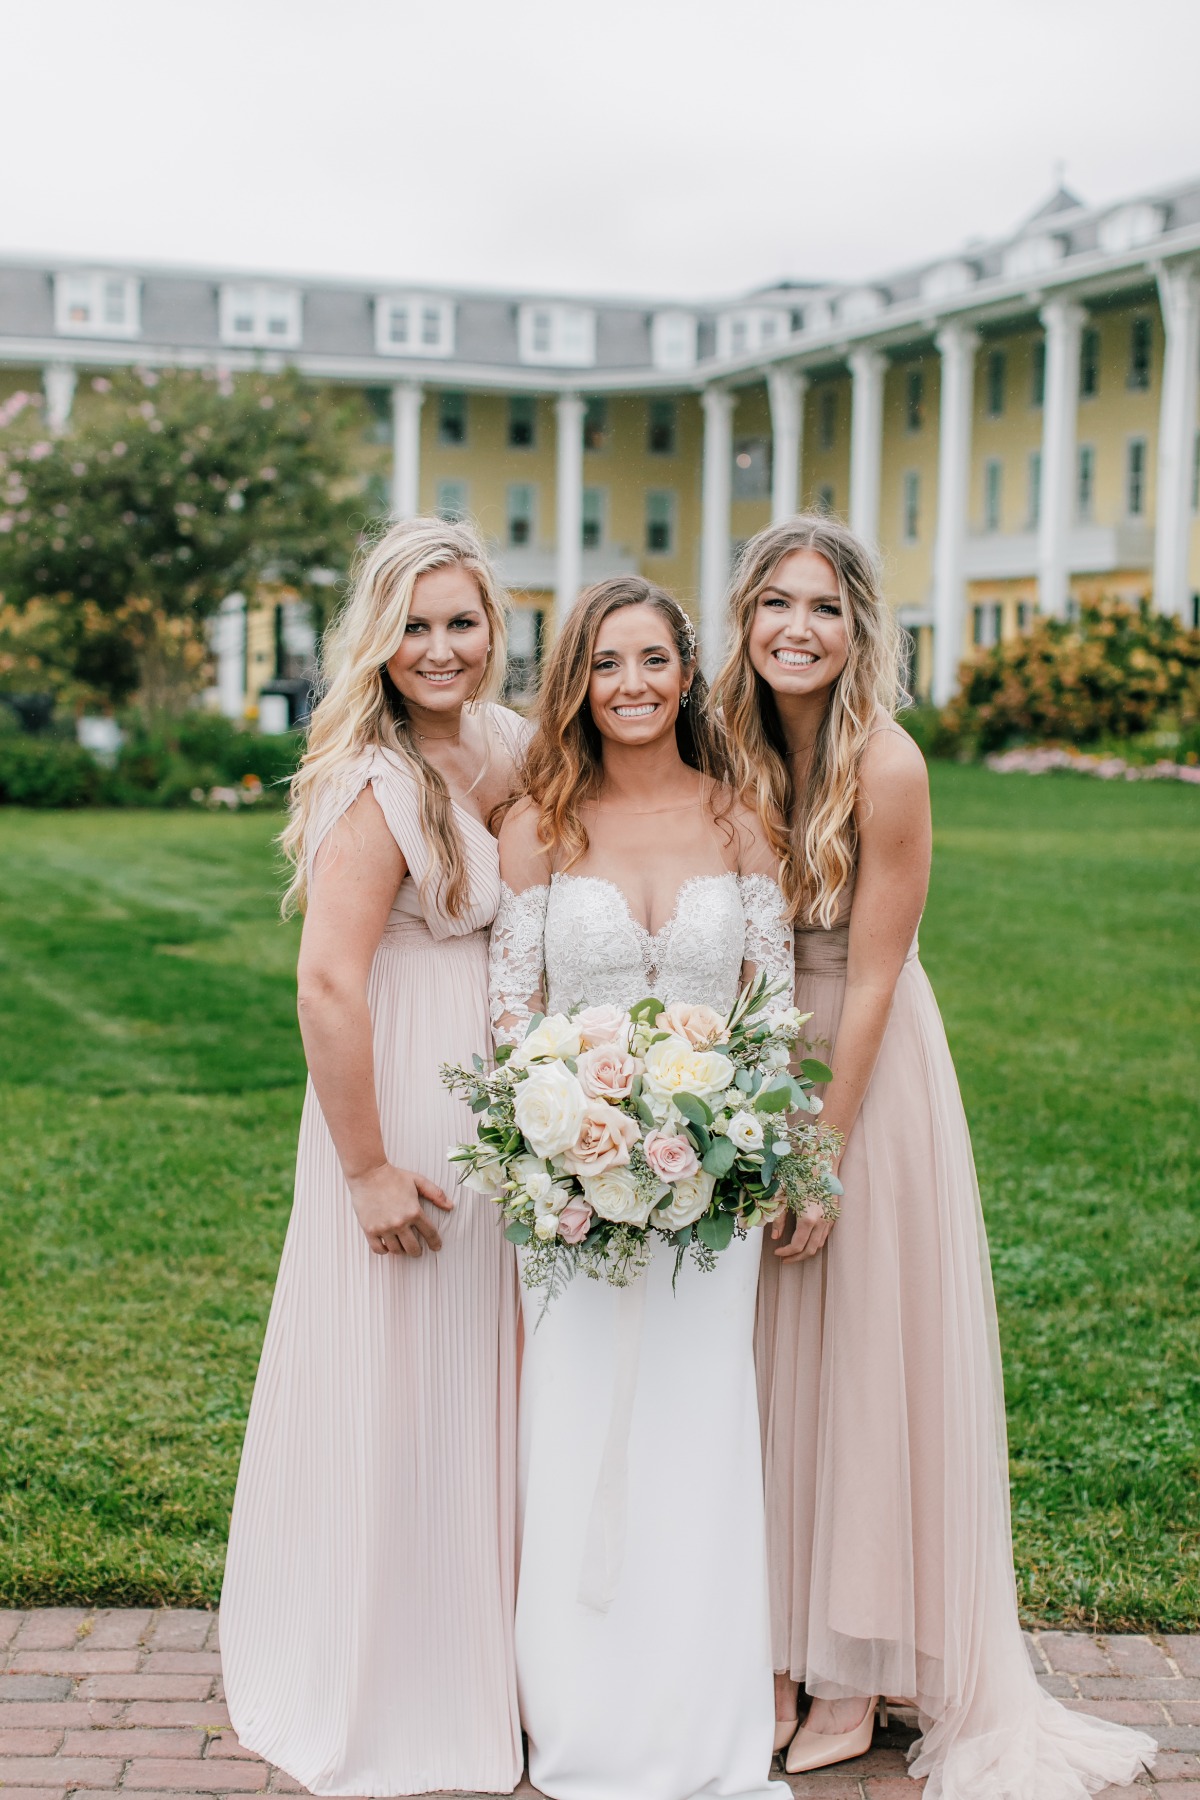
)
(882, 1414)
(366, 1618)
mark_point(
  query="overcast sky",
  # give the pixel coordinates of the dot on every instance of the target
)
(627, 146)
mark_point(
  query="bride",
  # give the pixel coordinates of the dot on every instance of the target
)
(643, 1658)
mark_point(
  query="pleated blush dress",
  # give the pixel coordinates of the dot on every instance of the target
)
(367, 1612)
(882, 1411)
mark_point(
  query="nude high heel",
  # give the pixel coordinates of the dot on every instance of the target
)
(785, 1731)
(819, 1749)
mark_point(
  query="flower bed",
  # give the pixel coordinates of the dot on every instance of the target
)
(1045, 759)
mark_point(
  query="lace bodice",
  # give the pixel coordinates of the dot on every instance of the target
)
(576, 943)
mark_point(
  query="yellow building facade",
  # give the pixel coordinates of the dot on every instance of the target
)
(1017, 428)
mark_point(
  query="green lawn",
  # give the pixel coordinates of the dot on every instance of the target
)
(150, 1087)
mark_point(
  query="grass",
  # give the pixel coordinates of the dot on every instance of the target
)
(149, 1096)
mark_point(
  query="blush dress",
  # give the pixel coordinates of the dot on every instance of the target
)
(366, 1617)
(882, 1413)
(642, 1644)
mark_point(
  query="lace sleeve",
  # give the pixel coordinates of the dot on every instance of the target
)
(516, 963)
(769, 945)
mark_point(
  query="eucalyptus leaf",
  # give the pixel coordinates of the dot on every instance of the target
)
(744, 1080)
(776, 1098)
(517, 1232)
(715, 1230)
(831, 1184)
(814, 1070)
(644, 1113)
(720, 1157)
(693, 1109)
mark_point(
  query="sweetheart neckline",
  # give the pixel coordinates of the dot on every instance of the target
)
(645, 931)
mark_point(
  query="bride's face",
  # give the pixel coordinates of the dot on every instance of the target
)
(799, 637)
(637, 680)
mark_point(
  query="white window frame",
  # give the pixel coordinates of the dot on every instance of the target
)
(90, 289)
(600, 498)
(260, 302)
(673, 340)
(1033, 489)
(860, 304)
(993, 489)
(550, 333)
(947, 279)
(447, 482)
(413, 310)
(745, 330)
(1032, 256)
(1130, 226)
(1141, 443)
(510, 513)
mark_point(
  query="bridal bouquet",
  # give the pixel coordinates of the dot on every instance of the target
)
(605, 1129)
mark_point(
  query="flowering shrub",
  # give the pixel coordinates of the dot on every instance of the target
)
(163, 763)
(118, 539)
(1116, 672)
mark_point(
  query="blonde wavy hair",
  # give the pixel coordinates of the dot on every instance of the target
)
(361, 707)
(813, 830)
(563, 764)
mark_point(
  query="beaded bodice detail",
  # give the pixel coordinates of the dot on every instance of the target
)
(576, 943)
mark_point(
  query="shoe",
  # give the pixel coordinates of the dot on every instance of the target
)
(785, 1731)
(819, 1749)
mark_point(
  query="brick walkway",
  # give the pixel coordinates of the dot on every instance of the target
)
(124, 1701)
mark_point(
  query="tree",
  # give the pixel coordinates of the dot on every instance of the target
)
(119, 539)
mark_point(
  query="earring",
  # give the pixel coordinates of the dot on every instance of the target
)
(685, 697)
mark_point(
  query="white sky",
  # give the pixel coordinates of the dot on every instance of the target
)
(630, 146)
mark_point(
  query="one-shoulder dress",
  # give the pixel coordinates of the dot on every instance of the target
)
(882, 1413)
(367, 1613)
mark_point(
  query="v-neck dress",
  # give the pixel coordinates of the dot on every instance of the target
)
(366, 1619)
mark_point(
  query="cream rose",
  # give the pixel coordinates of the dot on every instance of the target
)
(606, 1072)
(575, 1221)
(745, 1131)
(604, 1141)
(614, 1195)
(689, 1198)
(603, 1025)
(673, 1066)
(545, 1226)
(549, 1108)
(700, 1025)
(555, 1038)
(671, 1155)
(489, 1178)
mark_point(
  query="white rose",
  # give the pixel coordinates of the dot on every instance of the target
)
(549, 1108)
(674, 1067)
(777, 1056)
(745, 1131)
(614, 1195)
(545, 1226)
(556, 1037)
(689, 1198)
(787, 1020)
(489, 1178)
(603, 1025)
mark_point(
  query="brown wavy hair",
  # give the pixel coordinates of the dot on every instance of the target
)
(361, 706)
(564, 765)
(813, 829)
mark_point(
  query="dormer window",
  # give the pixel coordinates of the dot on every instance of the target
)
(551, 333)
(1032, 256)
(859, 305)
(97, 305)
(1130, 226)
(414, 325)
(673, 340)
(947, 280)
(751, 328)
(257, 314)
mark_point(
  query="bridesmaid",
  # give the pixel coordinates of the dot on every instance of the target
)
(366, 1619)
(882, 1408)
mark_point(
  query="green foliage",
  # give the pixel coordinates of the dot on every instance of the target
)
(148, 1131)
(1115, 673)
(171, 491)
(162, 763)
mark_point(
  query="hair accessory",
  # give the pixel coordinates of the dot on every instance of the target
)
(689, 632)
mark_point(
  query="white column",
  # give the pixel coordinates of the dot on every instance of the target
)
(58, 384)
(715, 530)
(1063, 322)
(786, 388)
(1179, 296)
(406, 449)
(227, 637)
(568, 505)
(867, 368)
(956, 345)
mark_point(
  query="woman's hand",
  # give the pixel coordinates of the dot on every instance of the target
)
(808, 1235)
(387, 1204)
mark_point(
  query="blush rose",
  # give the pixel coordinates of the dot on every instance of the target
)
(605, 1139)
(607, 1072)
(671, 1155)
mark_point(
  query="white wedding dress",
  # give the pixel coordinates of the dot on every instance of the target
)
(642, 1643)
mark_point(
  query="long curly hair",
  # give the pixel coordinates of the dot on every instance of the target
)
(361, 706)
(813, 829)
(563, 764)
